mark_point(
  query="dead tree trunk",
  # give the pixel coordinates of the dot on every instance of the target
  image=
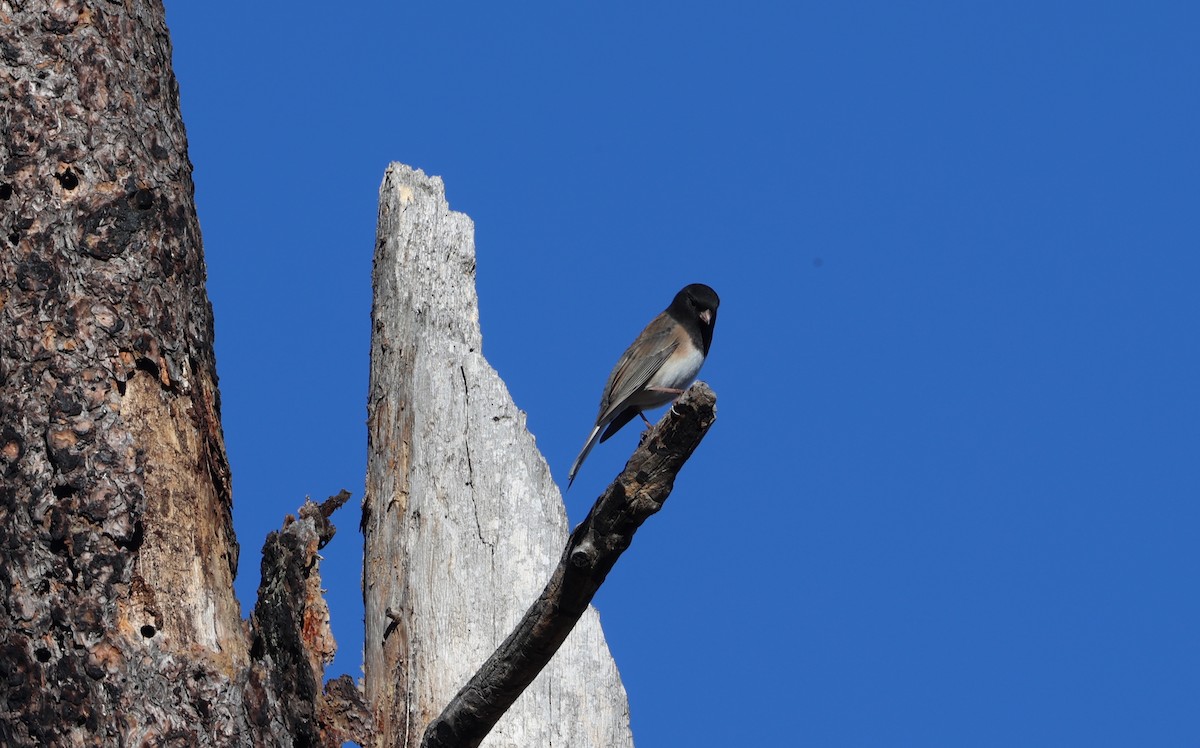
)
(463, 524)
(590, 553)
(119, 624)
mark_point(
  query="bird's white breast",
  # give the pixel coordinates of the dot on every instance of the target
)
(678, 371)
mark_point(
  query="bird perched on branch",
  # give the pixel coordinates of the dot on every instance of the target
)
(656, 368)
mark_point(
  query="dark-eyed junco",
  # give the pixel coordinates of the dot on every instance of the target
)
(663, 360)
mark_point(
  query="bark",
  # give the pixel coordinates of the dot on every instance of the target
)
(462, 521)
(291, 643)
(119, 624)
(590, 553)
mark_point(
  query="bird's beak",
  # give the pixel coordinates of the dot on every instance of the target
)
(706, 316)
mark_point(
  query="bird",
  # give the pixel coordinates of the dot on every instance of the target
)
(660, 363)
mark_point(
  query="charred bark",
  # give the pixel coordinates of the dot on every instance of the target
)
(116, 485)
(118, 621)
(291, 642)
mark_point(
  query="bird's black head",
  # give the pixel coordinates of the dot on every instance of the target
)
(698, 303)
(700, 300)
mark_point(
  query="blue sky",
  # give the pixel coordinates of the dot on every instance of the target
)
(951, 497)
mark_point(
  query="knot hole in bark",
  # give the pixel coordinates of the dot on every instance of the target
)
(68, 179)
(583, 556)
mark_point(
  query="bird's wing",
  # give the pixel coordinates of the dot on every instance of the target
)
(638, 364)
(629, 377)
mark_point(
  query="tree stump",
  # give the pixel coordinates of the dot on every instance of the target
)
(462, 520)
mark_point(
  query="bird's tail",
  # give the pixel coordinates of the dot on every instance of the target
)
(591, 442)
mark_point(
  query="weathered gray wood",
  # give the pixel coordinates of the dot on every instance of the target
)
(463, 523)
(592, 550)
